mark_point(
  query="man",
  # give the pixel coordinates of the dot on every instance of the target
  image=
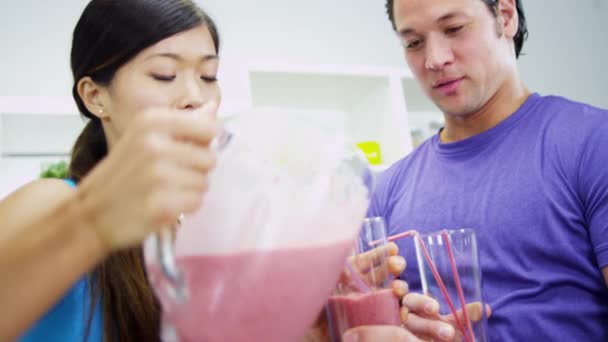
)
(528, 173)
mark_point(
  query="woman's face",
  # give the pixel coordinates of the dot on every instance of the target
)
(177, 74)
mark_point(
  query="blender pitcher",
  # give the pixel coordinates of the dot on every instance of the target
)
(260, 257)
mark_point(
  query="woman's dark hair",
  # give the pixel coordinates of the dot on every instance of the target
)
(109, 34)
(522, 30)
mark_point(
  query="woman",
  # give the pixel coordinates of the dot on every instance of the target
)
(145, 78)
(70, 256)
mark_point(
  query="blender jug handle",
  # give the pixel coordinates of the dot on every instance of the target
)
(166, 259)
(165, 254)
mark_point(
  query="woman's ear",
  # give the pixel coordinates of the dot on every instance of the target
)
(94, 97)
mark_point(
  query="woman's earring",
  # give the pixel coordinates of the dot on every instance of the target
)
(105, 118)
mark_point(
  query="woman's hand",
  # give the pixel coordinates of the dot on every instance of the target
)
(157, 170)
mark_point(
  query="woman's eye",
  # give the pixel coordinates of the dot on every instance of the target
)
(209, 79)
(163, 78)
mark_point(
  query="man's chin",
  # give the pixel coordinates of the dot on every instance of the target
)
(451, 106)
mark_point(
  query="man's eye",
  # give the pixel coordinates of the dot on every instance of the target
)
(413, 44)
(454, 29)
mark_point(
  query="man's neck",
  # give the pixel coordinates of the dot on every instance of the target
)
(500, 106)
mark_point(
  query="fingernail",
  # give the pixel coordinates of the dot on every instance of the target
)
(446, 332)
(350, 337)
(431, 308)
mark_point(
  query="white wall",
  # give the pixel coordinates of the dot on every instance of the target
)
(313, 31)
(565, 53)
(567, 49)
(35, 38)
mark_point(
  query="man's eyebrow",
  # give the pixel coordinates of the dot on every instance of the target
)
(450, 15)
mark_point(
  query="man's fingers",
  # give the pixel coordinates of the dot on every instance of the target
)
(367, 260)
(421, 304)
(384, 257)
(396, 265)
(393, 249)
(379, 333)
(423, 326)
(474, 313)
(400, 288)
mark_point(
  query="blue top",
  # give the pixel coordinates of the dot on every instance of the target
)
(67, 320)
(535, 190)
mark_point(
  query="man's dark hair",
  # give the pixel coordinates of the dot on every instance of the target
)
(522, 30)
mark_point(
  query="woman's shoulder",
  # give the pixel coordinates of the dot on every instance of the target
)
(34, 199)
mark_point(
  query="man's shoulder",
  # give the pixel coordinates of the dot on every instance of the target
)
(567, 110)
(572, 133)
(569, 122)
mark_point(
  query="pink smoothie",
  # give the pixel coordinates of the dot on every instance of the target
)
(380, 307)
(271, 296)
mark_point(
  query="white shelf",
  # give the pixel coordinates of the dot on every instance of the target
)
(367, 101)
(34, 131)
(47, 105)
(424, 117)
(35, 134)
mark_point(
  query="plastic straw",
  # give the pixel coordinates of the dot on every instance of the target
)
(394, 237)
(443, 288)
(458, 286)
(466, 330)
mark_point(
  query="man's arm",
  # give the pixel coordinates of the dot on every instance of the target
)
(605, 273)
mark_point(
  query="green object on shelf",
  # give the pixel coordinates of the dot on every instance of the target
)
(55, 170)
(372, 151)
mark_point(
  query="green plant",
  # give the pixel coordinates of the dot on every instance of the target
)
(55, 170)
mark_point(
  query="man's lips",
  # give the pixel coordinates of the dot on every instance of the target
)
(446, 82)
(448, 86)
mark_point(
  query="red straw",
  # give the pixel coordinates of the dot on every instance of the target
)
(458, 286)
(442, 287)
(468, 334)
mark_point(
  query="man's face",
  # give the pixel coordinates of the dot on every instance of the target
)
(457, 50)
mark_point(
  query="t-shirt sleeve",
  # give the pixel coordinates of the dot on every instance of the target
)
(593, 182)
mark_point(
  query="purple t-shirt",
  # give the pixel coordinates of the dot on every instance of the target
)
(535, 190)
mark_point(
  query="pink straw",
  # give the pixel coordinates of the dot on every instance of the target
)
(443, 288)
(394, 237)
(444, 234)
